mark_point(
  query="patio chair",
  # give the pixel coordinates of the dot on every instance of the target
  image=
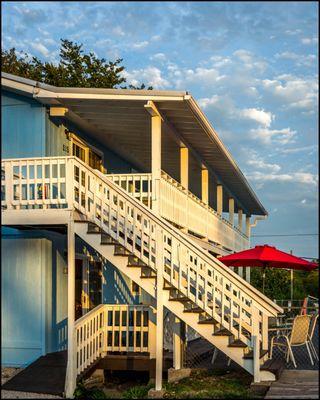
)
(297, 335)
(313, 325)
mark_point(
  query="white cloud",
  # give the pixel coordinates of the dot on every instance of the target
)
(40, 48)
(313, 40)
(151, 76)
(262, 117)
(208, 101)
(118, 31)
(198, 76)
(300, 59)
(158, 57)
(303, 201)
(294, 92)
(267, 136)
(299, 149)
(250, 61)
(296, 177)
(260, 164)
(140, 45)
(293, 32)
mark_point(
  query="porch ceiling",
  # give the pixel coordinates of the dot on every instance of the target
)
(118, 119)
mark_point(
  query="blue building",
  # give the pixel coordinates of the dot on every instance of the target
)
(110, 197)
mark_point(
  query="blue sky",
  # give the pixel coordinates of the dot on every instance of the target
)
(252, 66)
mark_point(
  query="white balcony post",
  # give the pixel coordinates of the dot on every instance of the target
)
(231, 211)
(178, 343)
(255, 344)
(8, 171)
(70, 384)
(219, 199)
(184, 167)
(248, 229)
(240, 214)
(205, 186)
(159, 319)
(156, 161)
(184, 180)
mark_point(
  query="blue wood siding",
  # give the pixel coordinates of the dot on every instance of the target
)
(34, 293)
(22, 126)
(22, 298)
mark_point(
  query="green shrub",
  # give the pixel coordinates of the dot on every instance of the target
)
(81, 392)
(137, 392)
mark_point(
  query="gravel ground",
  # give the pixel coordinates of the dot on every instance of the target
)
(8, 373)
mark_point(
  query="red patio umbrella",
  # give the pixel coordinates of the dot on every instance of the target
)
(267, 257)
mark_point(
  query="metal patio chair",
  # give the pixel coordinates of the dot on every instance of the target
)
(313, 325)
(295, 336)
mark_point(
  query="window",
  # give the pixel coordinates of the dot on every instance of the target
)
(86, 153)
(135, 289)
(95, 160)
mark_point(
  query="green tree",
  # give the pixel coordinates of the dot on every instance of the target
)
(278, 283)
(75, 68)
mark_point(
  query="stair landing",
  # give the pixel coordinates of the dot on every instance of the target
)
(46, 375)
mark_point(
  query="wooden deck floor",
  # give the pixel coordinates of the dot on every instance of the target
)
(295, 384)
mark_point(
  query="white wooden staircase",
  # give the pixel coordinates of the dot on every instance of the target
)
(221, 306)
(201, 291)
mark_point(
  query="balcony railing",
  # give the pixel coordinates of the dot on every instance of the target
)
(181, 207)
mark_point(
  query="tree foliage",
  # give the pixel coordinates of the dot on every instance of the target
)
(75, 68)
(278, 283)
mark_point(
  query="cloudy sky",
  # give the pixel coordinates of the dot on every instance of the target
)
(252, 66)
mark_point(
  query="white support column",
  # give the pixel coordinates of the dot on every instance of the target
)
(255, 344)
(156, 161)
(240, 214)
(70, 384)
(240, 227)
(178, 343)
(248, 233)
(231, 210)
(159, 327)
(205, 186)
(248, 228)
(219, 199)
(184, 167)
(8, 172)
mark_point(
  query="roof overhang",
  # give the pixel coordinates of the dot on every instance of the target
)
(118, 118)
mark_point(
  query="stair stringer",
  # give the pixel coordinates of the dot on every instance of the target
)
(206, 331)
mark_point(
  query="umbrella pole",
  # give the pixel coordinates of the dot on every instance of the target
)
(291, 288)
(291, 282)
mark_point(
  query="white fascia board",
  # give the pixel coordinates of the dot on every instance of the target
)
(17, 86)
(86, 96)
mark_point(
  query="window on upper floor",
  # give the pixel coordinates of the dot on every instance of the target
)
(88, 154)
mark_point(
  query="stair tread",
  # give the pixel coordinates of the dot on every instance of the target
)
(249, 355)
(223, 332)
(237, 343)
(193, 310)
(182, 299)
(207, 321)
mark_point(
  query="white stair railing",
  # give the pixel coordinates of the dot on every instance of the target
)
(113, 328)
(221, 293)
(90, 332)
